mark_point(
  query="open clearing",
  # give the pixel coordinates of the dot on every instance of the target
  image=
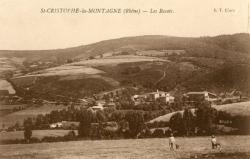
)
(86, 66)
(242, 108)
(32, 111)
(5, 85)
(63, 70)
(138, 148)
(114, 60)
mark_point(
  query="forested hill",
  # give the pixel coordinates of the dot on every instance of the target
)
(167, 63)
(223, 46)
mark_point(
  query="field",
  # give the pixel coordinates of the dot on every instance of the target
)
(9, 64)
(35, 133)
(85, 66)
(139, 148)
(7, 109)
(114, 60)
(5, 85)
(242, 109)
(64, 70)
(32, 111)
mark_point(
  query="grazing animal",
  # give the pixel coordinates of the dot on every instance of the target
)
(218, 146)
(177, 146)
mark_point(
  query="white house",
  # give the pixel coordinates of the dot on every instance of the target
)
(56, 125)
(153, 96)
(168, 99)
(156, 95)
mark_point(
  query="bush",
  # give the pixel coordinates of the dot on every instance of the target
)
(136, 122)
(158, 133)
(85, 123)
(70, 136)
(28, 129)
(176, 123)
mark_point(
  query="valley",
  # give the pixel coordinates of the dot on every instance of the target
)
(105, 77)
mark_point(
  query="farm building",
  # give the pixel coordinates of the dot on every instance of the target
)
(153, 96)
(97, 107)
(65, 125)
(56, 125)
(199, 96)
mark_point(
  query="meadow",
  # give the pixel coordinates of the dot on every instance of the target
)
(31, 111)
(242, 109)
(128, 149)
(35, 133)
(115, 60)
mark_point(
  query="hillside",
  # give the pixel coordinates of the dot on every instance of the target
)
(31, 111)
(217, 64)
(218, 46)
(234, 109)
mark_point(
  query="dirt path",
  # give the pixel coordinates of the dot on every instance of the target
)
(162, 77)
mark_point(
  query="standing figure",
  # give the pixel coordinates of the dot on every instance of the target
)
(171, 141)
(213, 142)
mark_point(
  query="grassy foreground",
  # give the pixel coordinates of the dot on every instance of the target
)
(195, 147)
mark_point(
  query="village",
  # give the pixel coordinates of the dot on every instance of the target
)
(120, 99)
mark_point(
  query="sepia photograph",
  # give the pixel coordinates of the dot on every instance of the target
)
(159, 79)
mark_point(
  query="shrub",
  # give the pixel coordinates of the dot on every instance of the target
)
(176, 123)
(136, 122)
(158, 133)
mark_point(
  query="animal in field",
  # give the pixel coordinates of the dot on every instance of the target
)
(177, 146)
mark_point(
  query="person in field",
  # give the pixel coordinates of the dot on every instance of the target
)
(171, 141)
(215, 144)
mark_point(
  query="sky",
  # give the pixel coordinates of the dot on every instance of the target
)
(24, 27)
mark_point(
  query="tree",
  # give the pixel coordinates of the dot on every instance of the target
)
(205, 116)
(100, 117)
(27, 129)
(85, 123)
(188, 121)
(136, 122)
(176, 123)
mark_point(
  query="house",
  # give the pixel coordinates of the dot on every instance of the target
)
(56, 125)
(167, 99)
(97, 107)
(199, 96)
(153, 96)
(232, 97)
(138, 99)
(65, 125)
(86, 101)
